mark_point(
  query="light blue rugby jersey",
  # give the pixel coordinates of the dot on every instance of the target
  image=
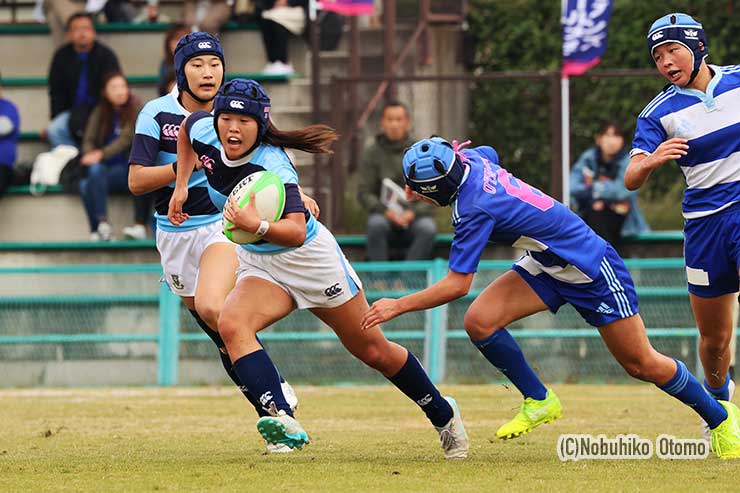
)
(711, 123)
(494, 206)
(155, 144)
(223, 174)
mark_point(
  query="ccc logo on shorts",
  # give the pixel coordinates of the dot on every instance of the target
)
(333, 291)
(170, 131)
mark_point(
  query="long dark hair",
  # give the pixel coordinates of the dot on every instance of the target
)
(172, 32)
(316, 139)
(127, 112)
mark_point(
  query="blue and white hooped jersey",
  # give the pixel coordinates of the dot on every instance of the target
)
(711, 123)
(155, 144)
(494, 206)
(223, 174)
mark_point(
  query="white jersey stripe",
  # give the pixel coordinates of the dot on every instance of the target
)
(696, 121)
(707, 175)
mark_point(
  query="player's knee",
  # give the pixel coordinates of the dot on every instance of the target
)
(209, 312)
(477, 328)
(645, 368)
(374, 357)
(228, 328)
(716, 343)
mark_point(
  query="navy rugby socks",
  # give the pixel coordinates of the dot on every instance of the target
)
(687, 389)
(258, 374)
(502, 351)
(226, 361)
(413, 381)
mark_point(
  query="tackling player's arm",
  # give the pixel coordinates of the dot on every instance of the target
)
(455, 285)
(144, 179)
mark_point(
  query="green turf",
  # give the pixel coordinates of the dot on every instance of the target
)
(362, 439)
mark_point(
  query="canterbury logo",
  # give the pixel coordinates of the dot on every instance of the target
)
(657, 36)
(424, 400)
(207, 162)
(237, 104)
(170, 131)
(204, 45)
(265, 398)
(691, 33)
(333, 291)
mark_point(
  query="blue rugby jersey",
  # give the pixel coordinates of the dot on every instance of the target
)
(711, 123)
(223, 174)
(155, 144)
(494, 206)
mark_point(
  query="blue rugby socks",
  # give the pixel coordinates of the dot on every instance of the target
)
(413, 381)
(504, 353)
(226, 362)
(257, 373)
(722, 393)
(687, 389)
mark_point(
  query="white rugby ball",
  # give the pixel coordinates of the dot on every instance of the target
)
(269, 196)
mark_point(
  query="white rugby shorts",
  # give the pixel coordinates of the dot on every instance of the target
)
(181, 252)
(315, 275)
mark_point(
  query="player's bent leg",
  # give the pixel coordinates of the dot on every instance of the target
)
(400, 367)
(714, 320)
(504, 301)
(243, 315)
(628, 343)
(216, 278)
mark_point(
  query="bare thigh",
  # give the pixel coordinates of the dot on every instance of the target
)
(216, 278)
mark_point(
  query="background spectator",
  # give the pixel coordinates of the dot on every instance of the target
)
(75, 80)
(413, 227)
(278, 19)
(105, 148)
(171, 37)
(199, 15)
(10, 124)
(56, 14)
(598, 191)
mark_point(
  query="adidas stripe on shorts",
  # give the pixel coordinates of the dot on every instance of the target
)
(608, 298)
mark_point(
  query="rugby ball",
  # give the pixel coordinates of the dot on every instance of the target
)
(269, 196)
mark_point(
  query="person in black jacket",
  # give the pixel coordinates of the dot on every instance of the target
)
(75, 79)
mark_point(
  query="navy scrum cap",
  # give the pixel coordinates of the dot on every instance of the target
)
(684, 30)
(190, 46)
(432, 169)
(244, 97)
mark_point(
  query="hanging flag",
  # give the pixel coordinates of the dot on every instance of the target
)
(348, 7)
(585, 24)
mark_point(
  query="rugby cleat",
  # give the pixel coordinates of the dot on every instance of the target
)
(726, 436)
(290, 396)
(282, 429)
(452, 435)
(277, 448)
(706, 432)
(532, 414)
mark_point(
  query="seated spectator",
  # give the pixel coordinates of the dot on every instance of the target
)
(10, 124)
(105, 149)
(75, 80)
(199, 15)
(409, 226)
(277, 20)
(56, 14)
(597, 187)
(171, 37)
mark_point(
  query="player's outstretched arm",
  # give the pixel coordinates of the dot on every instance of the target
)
(183, 170)
(641, 165)
(455, 285)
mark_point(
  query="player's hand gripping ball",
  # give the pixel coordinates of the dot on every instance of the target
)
(269, 197)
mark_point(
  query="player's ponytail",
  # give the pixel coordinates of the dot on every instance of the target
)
(316, 139)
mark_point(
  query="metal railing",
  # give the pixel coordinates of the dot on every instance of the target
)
(435, 333)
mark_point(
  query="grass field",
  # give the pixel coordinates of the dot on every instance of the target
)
(363, 439)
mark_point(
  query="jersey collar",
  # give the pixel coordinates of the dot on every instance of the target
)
(706, 97)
